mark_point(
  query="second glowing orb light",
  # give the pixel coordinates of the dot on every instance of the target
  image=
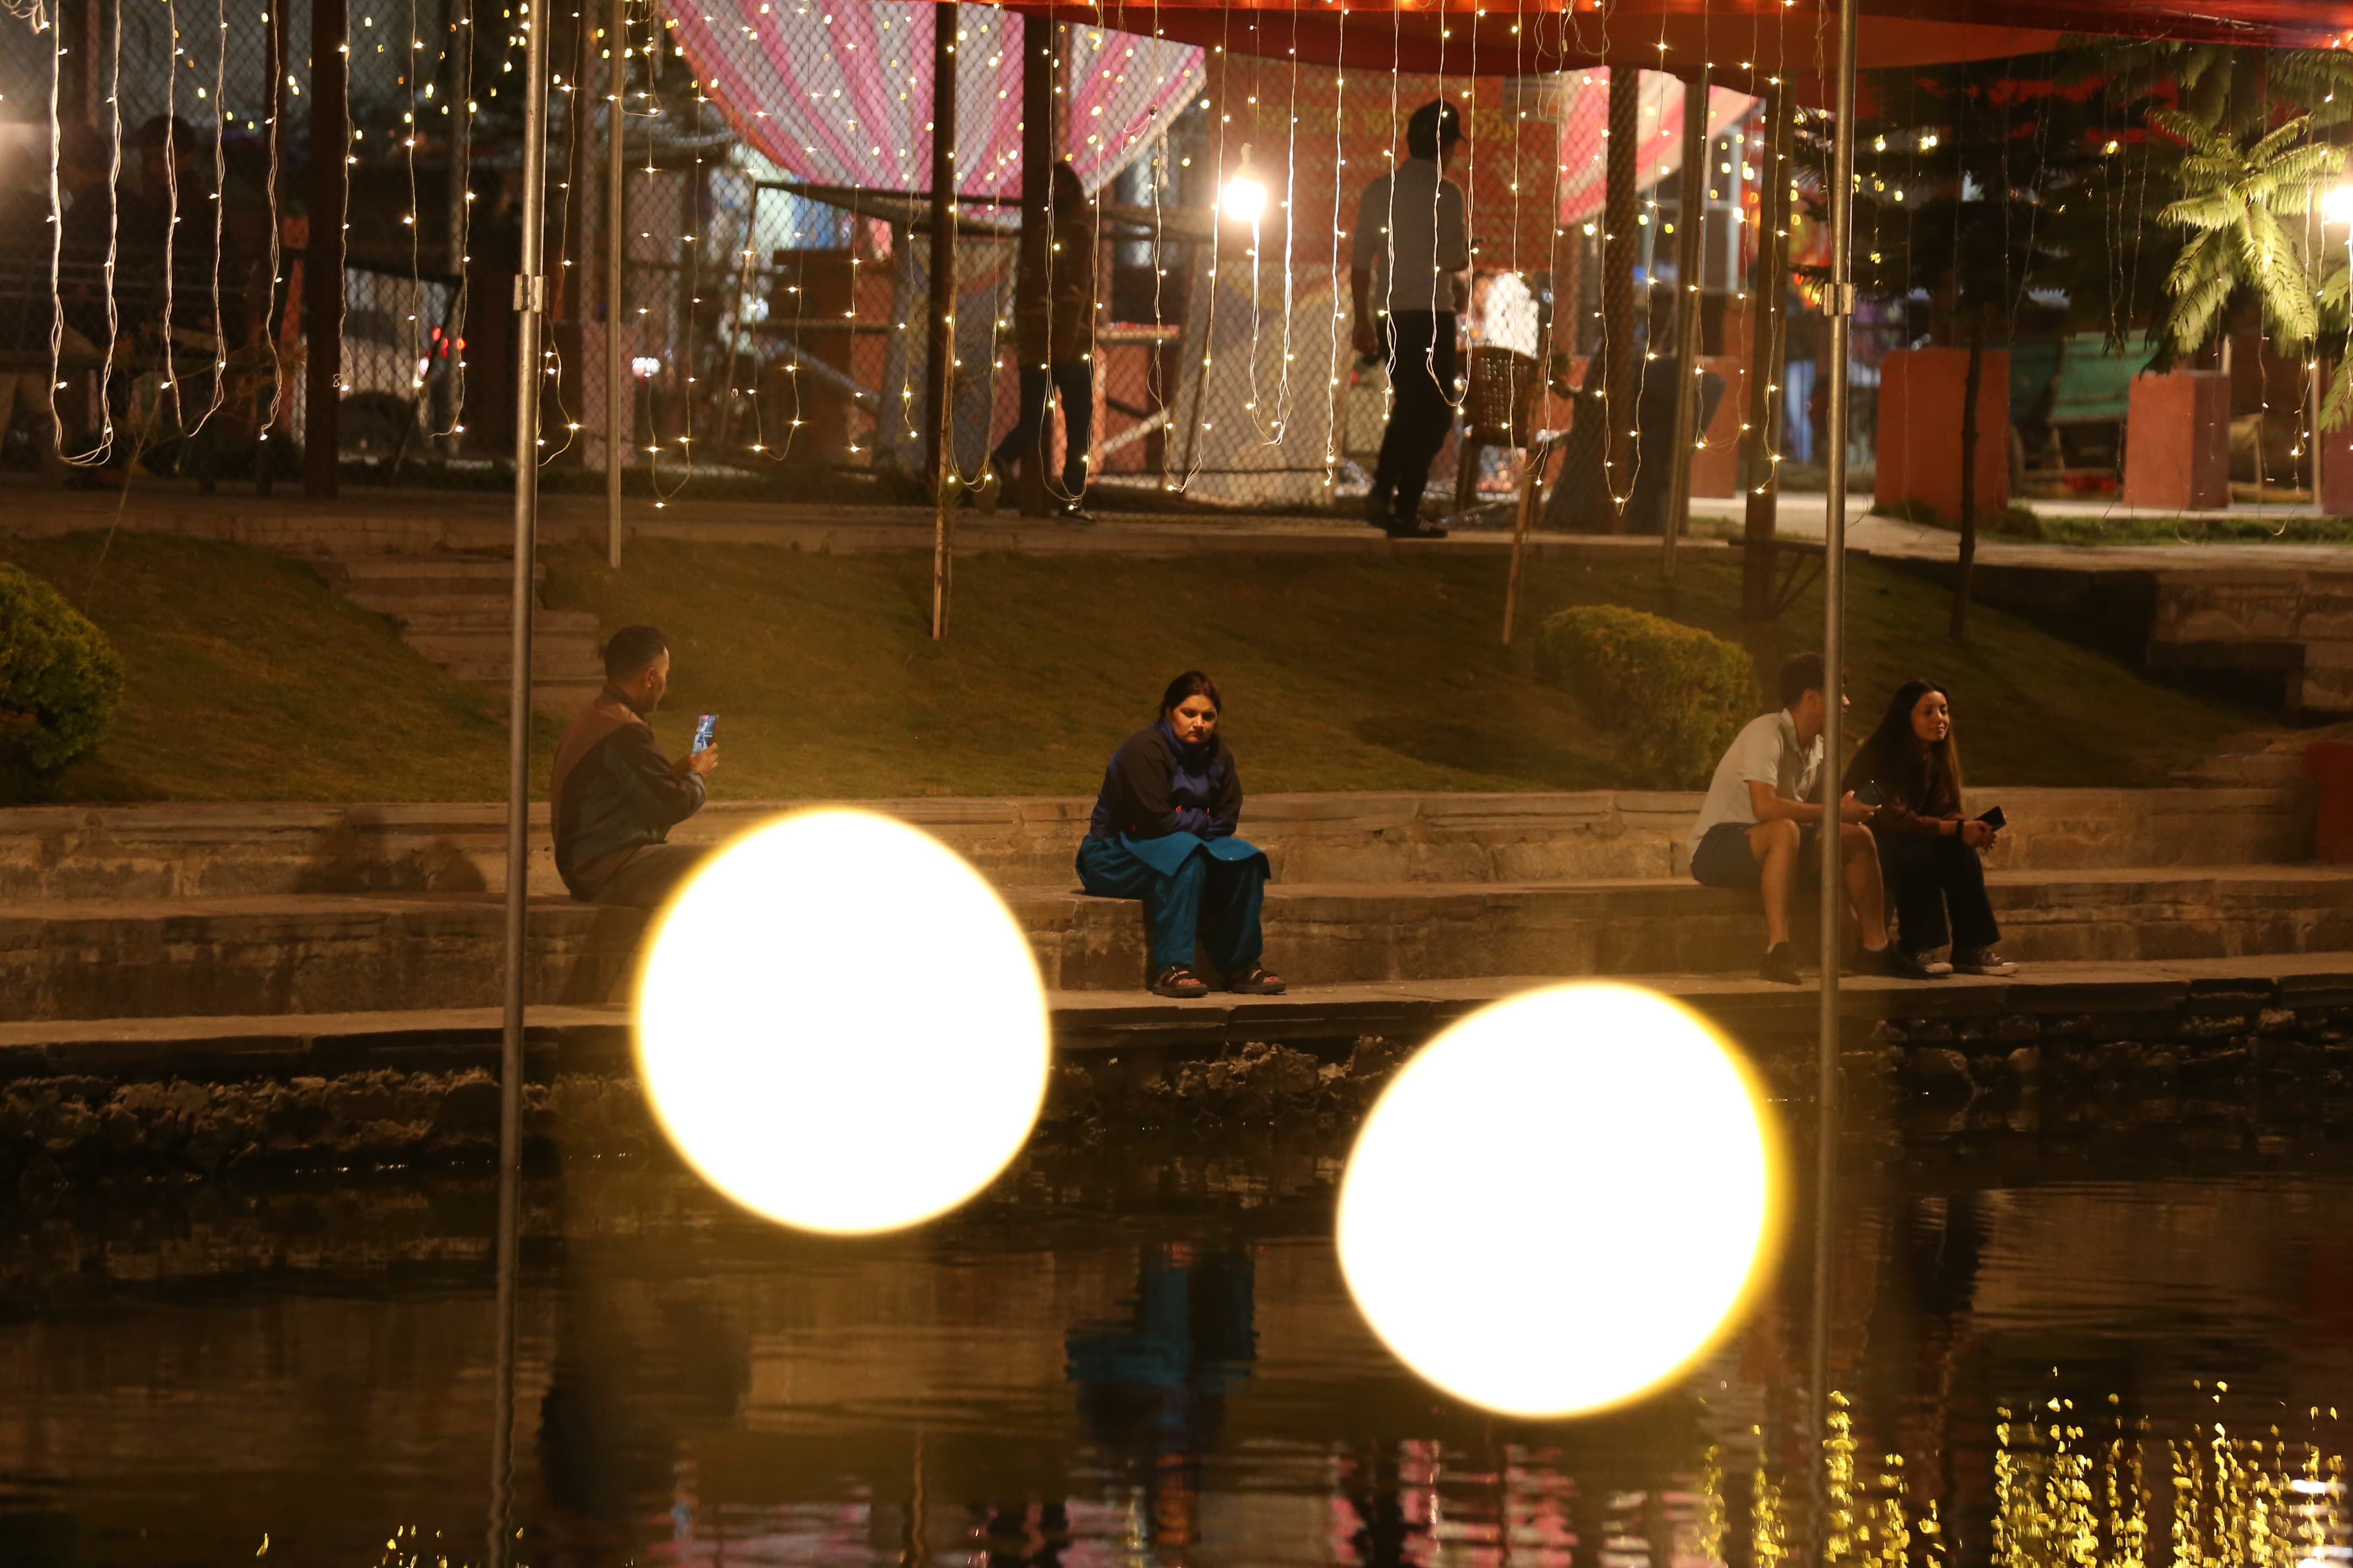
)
(1560, 1202)
(841, 1025)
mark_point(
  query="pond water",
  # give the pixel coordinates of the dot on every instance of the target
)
(2118, 1344)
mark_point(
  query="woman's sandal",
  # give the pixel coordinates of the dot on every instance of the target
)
(1257, 983)
(1179, 981)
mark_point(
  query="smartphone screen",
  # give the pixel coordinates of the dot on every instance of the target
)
(706, 730)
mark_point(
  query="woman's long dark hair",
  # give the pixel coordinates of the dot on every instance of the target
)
(1902, 764)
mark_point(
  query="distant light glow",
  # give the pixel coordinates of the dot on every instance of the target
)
(1560, 1202)
(840, 1025)
(2338, 205)
(1244, 198)
(645, 365)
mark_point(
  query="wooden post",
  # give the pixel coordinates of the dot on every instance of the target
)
(939, 369)
(1039, 145)
(1690, 224)
(1768, 291)
(322, 274)
(1620, 245)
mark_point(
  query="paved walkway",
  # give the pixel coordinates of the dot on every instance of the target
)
(364, 521)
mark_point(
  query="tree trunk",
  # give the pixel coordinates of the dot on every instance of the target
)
(1622, 248)
(1970, 383)
(1769, 290)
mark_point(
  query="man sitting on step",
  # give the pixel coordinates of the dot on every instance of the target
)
(614, 797)
(1757, 827)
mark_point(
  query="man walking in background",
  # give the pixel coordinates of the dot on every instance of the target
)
(1412, 246)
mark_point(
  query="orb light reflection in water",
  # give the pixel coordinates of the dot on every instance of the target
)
(840, 1025)
(1560, 1201)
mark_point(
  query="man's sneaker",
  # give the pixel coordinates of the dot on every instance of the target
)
(1981, 960)
(1904, 966)
(1404, 529)
(1781, 965)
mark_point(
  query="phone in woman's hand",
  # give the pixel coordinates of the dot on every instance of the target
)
(1994, 820)
(1871, 794)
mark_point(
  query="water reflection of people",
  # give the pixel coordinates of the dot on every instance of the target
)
(1156, 1386)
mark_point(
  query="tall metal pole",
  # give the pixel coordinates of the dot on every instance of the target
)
(323, 273)
(1042, 144)
(1691, 224)
(939, 371)
(619, 428)
(529, 302)
(1620, 249)
(1841, 309)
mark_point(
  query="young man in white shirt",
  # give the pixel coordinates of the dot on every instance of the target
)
(1412, 246)
(1757, 827)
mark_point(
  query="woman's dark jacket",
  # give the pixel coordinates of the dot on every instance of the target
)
(1155, 786)
(1916, 797)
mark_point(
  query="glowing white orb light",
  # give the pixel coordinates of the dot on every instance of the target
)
(1244, 196)
(2338, 204)
(840, 1025)
(1559, 1202)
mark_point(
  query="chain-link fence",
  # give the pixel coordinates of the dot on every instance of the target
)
(769, 314)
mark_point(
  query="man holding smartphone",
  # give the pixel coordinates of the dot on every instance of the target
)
(614, 797)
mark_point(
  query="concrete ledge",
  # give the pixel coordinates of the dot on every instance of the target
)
(198, 850)
(330, 952)
(2214, 997)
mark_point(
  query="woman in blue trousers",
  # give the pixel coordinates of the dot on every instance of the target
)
(1163, 831)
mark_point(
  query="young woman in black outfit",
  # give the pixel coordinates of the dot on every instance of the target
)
(1928, 849)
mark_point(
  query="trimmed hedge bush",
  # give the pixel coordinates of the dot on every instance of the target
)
(59, 677)
(1674, 694)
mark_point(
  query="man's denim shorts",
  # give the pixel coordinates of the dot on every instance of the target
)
(1724, 858)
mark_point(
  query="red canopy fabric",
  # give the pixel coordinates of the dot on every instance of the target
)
(1749, 41)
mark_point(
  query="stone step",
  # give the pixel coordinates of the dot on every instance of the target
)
(328, 952)
(2230, 993)
(471, 576)
(220, 849)
(461, 613)
(475, 655)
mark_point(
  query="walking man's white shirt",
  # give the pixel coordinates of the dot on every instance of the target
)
(1417, 216)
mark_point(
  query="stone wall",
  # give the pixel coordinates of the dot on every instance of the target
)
(226, 850)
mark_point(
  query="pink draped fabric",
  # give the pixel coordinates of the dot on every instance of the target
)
(839, 91)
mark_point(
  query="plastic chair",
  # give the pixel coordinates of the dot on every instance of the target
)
(1498, 410)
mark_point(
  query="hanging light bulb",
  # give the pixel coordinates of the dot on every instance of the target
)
(1244, 197)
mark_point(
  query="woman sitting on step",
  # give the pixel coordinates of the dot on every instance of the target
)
(1163, 831)
(1928, 852)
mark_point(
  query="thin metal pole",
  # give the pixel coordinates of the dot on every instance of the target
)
(1841, 323)
(939, 379)
(530, 302)
(1691, 221)
(323, 273)
(619, 428)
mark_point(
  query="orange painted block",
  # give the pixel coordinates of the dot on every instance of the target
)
(1919, 458)
(2336, 471)
(1715, 468)
(2177, 441)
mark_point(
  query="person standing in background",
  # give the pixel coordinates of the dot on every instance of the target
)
(1053, 340)
(1412, 246)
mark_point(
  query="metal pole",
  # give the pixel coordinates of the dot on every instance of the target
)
(530, 302)
(939, 374)
(1620, 247)
(1691, 224)
(1840, 310)
(619, 429)
(322, 274)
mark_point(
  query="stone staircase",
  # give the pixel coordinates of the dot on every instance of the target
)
(457, 611)
(207, 912)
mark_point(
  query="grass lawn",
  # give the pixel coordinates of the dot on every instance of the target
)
(249, 680)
